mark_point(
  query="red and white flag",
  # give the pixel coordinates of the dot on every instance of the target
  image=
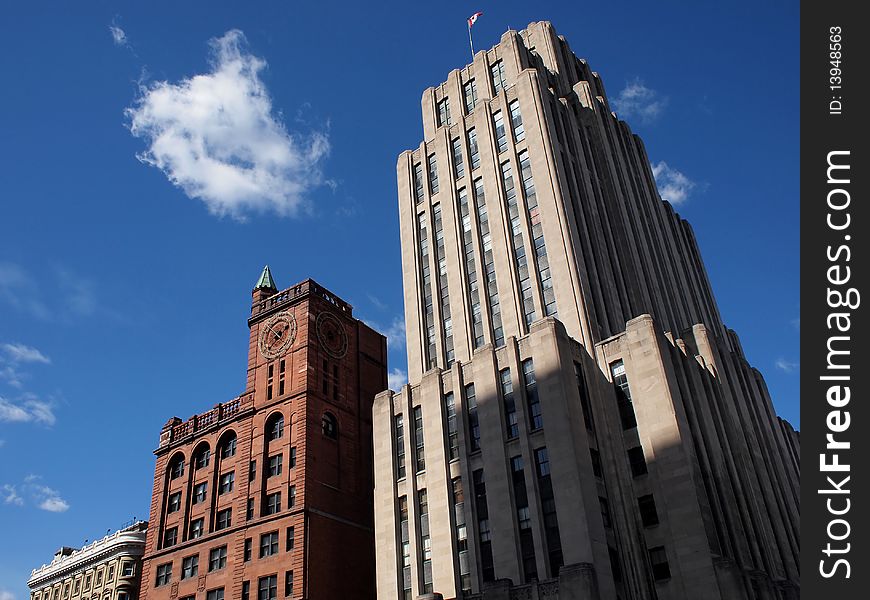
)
(473, 18)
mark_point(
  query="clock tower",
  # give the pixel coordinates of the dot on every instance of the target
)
(267, 495)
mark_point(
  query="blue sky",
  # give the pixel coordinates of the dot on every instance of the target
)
(127, 255)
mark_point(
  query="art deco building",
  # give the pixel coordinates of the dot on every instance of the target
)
(579, 422)
(269, 495)
(107, 569)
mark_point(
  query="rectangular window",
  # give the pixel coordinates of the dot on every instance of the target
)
(418, 182)
(288, 583)
(456, 149)
(426, 277)
(425, 541)
(433, 175)
(275, 464)
(202, 459)
(548, 508)
(199, 492)
(189, 566)
(269, 544)
(488, 263)
(637, 461)
(473, 422)
(623, 395)
(596, 462)
(517, 121)
(246, 590)
(291, 501)
(111, 574)
(217, 558)
(229, 448)
(605, 512)
(227, 481)
(174, 502)
(215, 594)
(177, 469)
(443, 111)
(170, 537)
(164, 574)
(510, 408)
(533, 401)
(247, 554)
(461, 534)
(542, 262)
(273, 503)
(497, 71)
(452, 427)
(648, 514)
(224, 519)
(473, 150)
(252, 471)
(267, 588)
(249, 512)
(292, 457)
(500, 135)
(291, 538)
(658, 558)
(470, 268)
(281, 373)
(269, 378)
(406, 547)
(469, 91)
(443, 291)
(399, 427)
(584, 398)
(517, 242)
(521, 499)
(196, 528)
(418, 439)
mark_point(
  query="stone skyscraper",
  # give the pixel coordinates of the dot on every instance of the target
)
(579, 422)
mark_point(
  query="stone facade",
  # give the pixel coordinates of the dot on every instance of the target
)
(107, 569)
(579, 422)
(265, 495)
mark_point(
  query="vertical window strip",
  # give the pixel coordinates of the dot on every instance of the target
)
(488, 264)
(517, 121)
(480, 505)
(471, 270)
(548, 508)
(405, 540)
(418, 182)
(433, 174)
(461, 535)
(497, 71)
(533, 400)
(510, 407)
(444, 111)
(623, 395)
(470, 93)
(519, 247)
(452, 426)
(426, 277)
(521, 499)
(443, 292)
(425, 540)
(418, 439)
(458, 165)
(500, 133)
(473, 422)
(399, 424)
(473, 150)
(542, 263)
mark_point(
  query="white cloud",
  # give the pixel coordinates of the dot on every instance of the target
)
(796, 323)
(25, 354)
(396, 379)
(787, 366)
(673, 185)
(6, 595)
(216, 137)
(41, 496)
(394, 332)
(54, 504)
(10, 495)
(119, 36)
(637, 100)
(27, 410)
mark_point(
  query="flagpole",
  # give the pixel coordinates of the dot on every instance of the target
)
(470, 42)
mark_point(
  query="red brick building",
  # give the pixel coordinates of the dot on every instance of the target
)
(269, 495)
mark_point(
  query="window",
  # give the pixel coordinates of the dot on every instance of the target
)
(605, 512)
(433, 175)
(224, 519)
(443, 292)
(164, 574)
(252, 470)
(596, 462)
(275, 464)
(443, 111)
(268, 588)
(174, 502)
(288, 583)
(470, 268)
(329, 426)
(199, 492)
(418, 182)
(228, 448)
(170, 538)
(473, 422)
(521, 500)
(291, 538)
(291, 501)
(648, 514)
(623, 395)
(418, 439)
(196, 528)
(497, 71)
(533, 401)
(473, 150)
(584, 397)
(542, 262)
(488, 263)
(215, 594)
(246, 590)
(273, 503)
(227, 481)
(548, 508)
(189, 566)
(217, 558)
(658, 558)
(111, 574)
(517, 121)
(469, 92)
(99, 581)
(269, 380)
(247, 552)
(452, 427)
(76, 586)
(456, 149)
(276, 428)
(281, 373)
(426, 277)
(292, 457)
(461, 534)
(176, 469)
(637, 461)
(500, 135)
(202, 458)
(425, 541)
(510, 408)
(269, 544)
(615, 564)
(406, 547)
(399, 429)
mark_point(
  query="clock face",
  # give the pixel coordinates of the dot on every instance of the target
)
(330, 332)
(277, 335)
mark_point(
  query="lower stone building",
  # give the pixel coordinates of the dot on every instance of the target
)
(107, 569)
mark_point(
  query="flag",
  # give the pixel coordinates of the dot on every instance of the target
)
(473, 18)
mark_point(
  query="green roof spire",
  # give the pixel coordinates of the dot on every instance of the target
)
(266, 281)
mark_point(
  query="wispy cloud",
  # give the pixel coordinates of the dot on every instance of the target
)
(394, 332)
(216, 137)
(119, 36)
(796, 323)
(56, 294)
(673, 185)
(787, 366)
(18, 290)
(27, 409)
(10, 495)
(32, 491)
(6, 595)
(24, 354)
(636, 100)
(396, 379)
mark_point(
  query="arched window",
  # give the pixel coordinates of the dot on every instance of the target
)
(228, 445)
(176, 467)
(201, 456)
(275, 427)
(330, 426)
